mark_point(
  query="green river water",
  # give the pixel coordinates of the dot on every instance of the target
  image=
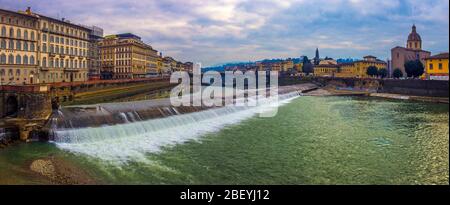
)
(312, 140)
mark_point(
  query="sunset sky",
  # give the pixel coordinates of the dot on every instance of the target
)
(214, 32)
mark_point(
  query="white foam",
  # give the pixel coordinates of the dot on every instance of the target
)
(132, 141)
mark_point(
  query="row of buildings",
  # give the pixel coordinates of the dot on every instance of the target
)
(435, 67)
(38, 49)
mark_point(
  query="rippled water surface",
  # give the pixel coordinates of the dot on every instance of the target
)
(312, 140)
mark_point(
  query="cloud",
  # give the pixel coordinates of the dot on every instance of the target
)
(216, 31)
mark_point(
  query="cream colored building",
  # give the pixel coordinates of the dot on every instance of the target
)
(64, 51)
(18, 48)
(40, 49)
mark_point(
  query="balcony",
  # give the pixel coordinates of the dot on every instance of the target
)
(71, 69)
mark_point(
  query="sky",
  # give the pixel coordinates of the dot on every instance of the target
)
(219, 31)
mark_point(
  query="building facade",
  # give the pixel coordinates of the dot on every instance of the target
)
(40, 49)
(94, 60)
(126, 56)
(412, 51)
(436, 67)
(358, 69)
(19, 35)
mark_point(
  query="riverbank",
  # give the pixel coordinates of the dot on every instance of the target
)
(333, 91)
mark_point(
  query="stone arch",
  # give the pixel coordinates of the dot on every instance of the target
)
(12, 106)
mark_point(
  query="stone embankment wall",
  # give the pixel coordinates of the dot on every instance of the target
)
(414, 87)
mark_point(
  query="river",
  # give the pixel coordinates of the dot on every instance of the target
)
(312, 140)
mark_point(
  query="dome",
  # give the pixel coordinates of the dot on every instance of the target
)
(414, 36)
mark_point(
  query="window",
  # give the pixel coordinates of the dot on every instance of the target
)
(440, 66)
(44, 62)
(11, 32)
(50, 63)
(431, 66)
(18, 59)
(25, 34)
(25, 60)
(3, 44)
(44, 37)
(3, 59)
(32, 35)
(2, 72)
(61, 63)
(17, 72)
(44, 47)
(25, 46)
(3, 33)
(32, 60)
(10, 59)
(11, 44)
(19, 33)
(31, 46)
(18, 45)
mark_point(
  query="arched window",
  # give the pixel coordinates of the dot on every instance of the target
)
(50, 63)
(44, 62)
(61, 63)
(44, 47)
(3, 59)
(57, 63)
(11, 44)
(25, 46)
(17, 72)
(3, 31)
(75, 64)
(2, 72)
(10, 59)
(11, 32)
(18, 59)
(25, 34)
(32, 35)
(32, 60)
(18, 45)
(3, 44)
(31, 46)
(19, 33)
(25, 59)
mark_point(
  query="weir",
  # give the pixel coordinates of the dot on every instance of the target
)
(119, 131)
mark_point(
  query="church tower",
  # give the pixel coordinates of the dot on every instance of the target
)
(317, 57)
(414, 40)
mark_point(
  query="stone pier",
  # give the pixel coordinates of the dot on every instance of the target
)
(24, 108)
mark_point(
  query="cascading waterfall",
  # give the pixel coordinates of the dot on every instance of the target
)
(128, 134)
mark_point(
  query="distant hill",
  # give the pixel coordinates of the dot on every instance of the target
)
(221, 67)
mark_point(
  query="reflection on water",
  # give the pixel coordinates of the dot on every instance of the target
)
(312, 140)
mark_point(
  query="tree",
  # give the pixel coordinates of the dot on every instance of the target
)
(372, 71)
(382, 72)
(414, 68)
(307, 66)
(397, 73)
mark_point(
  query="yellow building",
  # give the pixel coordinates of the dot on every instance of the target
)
(358, 69)
(326, 70)
(287, 65)
(437, 67)
(18, 48)
(125, 56)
